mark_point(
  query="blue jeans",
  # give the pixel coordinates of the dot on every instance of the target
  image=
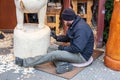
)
(59, 57)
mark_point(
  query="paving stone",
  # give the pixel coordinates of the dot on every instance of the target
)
(4, 51)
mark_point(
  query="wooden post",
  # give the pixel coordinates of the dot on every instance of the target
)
(66, 4)
(89, 12)
(100, 27)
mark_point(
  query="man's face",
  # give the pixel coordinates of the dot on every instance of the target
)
(68, 23)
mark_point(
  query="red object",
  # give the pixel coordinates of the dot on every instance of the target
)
(7, 14)
(100, 25)
(66, 5)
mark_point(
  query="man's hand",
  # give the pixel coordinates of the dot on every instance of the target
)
(53, 34)
(54, 46)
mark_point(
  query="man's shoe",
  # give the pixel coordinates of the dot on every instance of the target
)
(19, 61)
(64, 68)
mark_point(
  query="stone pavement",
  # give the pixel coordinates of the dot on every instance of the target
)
(96, 71)
(9, 71)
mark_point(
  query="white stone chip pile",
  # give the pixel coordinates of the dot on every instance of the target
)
(7, 41)
(7, 61)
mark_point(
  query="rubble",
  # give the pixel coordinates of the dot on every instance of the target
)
(6, 41)
(7, 62)
(7, 59)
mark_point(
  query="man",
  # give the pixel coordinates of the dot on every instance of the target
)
(81, 39)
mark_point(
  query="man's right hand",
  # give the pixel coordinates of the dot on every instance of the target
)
(52, 34)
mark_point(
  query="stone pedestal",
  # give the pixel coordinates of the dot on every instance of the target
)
(31, 41)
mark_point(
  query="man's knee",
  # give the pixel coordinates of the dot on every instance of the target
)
(55, 56)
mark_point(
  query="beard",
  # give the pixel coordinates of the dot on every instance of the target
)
(68, 24)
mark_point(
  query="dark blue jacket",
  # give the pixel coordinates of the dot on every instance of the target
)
(81, 38)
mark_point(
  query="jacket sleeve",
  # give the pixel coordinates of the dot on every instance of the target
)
(63, 38)
(79, 42)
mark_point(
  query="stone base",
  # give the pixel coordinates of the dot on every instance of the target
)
(111, 63)
(31, 42)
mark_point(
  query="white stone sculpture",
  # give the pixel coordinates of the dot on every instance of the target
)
(30, 39)
(30, 6)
